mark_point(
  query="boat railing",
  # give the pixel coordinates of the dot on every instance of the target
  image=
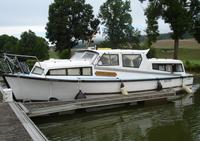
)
(12, 63)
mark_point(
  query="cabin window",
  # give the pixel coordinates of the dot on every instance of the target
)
(58, 72)
(88, 55)
(77, 55)
(161, 67)
(109, 60)
(38, 70)
(85, 55)
(179, 68)
(155, 66)
(86, 71)
(168, 67)
(131, 60)
(74, 72)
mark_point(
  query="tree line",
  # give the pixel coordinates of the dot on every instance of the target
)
(28, 44)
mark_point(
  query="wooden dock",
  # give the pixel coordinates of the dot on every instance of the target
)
(45, 108)
(15, 125)
(11, 128)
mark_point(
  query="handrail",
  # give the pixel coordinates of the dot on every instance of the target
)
(25, 56)
(13, 61)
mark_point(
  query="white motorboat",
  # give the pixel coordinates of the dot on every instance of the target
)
(98, 73)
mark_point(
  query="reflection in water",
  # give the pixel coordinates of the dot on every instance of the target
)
(154, 123)
(192, 116)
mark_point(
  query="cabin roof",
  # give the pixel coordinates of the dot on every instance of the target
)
(61, 63)
(115, 51)
(154, 60)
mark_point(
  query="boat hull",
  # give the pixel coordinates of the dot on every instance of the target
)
(30, 88)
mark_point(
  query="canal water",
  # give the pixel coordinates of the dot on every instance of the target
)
(179, 121)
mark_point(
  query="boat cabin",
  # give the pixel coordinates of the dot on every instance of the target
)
(90, 62)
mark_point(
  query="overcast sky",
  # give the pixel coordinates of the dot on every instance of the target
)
(17, 16)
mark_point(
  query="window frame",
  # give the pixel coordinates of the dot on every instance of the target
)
(84, 51)
(182, 68)
(118, 62)
(80, 68)
(37, 73)
(48, 73)
(173, 66)
(130, 66)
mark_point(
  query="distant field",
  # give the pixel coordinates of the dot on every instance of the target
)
(187, 43)
(189, 50)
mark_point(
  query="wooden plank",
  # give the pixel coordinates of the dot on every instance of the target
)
(11, 128)
(30, 127)
(56, 107)
(103, 73)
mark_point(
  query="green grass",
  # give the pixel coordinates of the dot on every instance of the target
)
(53, 54)
(196, 62)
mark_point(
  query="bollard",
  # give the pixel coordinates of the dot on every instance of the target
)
(7, 95)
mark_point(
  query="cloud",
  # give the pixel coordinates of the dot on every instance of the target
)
(17, 30)
(24, 12)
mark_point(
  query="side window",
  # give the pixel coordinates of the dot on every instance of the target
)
(155, 66)
(168, 67)
(58, 72)
(74, 72)
(131, 60)
(178, 68)
(161, 67)
(109, 60)
(85, 71)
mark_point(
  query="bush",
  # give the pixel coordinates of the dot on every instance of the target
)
(65, 54)
(192, 67)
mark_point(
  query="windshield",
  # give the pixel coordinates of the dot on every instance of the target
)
(84, 55)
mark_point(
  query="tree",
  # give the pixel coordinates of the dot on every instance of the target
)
(30, 44)
(69, 22)
(115, 15)
(8, 44)
(152, 13)
(179, 14)
(195, 12)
